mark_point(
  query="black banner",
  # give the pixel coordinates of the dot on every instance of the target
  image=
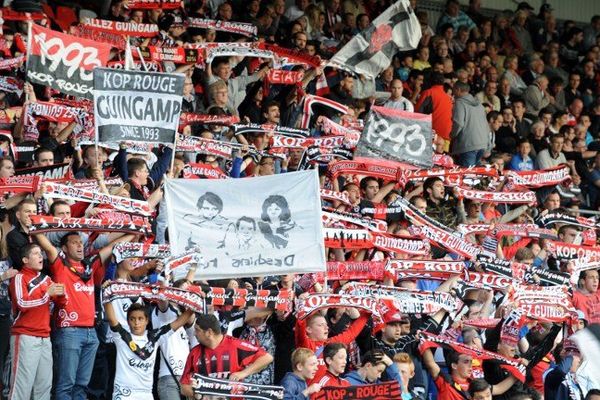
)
(397, 135)
(377, 391)
(136, 106)
(50, 172)
(204, 385)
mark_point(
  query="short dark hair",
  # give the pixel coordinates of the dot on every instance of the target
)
(208, 322)
(562, 229)
(271, 103)
(563, 130)
(446, 26)
(26, 250)
(365, 181)
(372, 357)
(478, 385)
(436, 78)
(65, 239)
(137, 307)
(218, 61)
(359, 16)
(583, 274)
(558, 114)
(40, 150)
(135, 164)
(245, 219)
(212, 199)
(492, 116)
(451, 357)
(414, 74)
(592, 392)
(332, 349)
(429, 183)
(57, 203)
(518, 100)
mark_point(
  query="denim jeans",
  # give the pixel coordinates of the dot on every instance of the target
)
(75, 350)
(167, 388)
(470, 158)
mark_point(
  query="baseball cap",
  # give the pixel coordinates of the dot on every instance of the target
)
(524, 6)
(569, 344)
(546, 8)
(395, 316)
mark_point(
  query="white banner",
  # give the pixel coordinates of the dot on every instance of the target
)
(249, 227)
(371, 51)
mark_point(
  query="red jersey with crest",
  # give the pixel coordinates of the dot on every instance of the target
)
(31, 303)
(80, 311)
(231, 355)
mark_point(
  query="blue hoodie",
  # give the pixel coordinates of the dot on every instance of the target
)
(293, 386)
(356, 379)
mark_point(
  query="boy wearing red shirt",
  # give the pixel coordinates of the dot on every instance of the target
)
(220, 356)
(31, 293)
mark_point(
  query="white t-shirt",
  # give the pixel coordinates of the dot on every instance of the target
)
(177, 347)
(135, 371)
(402, 104)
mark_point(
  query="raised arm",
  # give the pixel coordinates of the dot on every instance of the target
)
(48, 247)
(430, 364)
(503, 386)
(110, 314)
(182, 319)
(106, 252)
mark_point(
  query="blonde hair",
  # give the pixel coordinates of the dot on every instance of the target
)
(213, 88)
(312, 13)
(300, 355)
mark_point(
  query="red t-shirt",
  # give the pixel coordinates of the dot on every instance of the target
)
(537, 374)
(231, 355)
(590, 304)
(449, 391)
(327, 379)
(80, 311)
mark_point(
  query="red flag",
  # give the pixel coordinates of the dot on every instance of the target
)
(64, 62)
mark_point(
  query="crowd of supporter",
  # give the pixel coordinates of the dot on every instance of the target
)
(518, 91)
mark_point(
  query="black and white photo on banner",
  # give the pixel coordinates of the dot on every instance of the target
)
(256, 226)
